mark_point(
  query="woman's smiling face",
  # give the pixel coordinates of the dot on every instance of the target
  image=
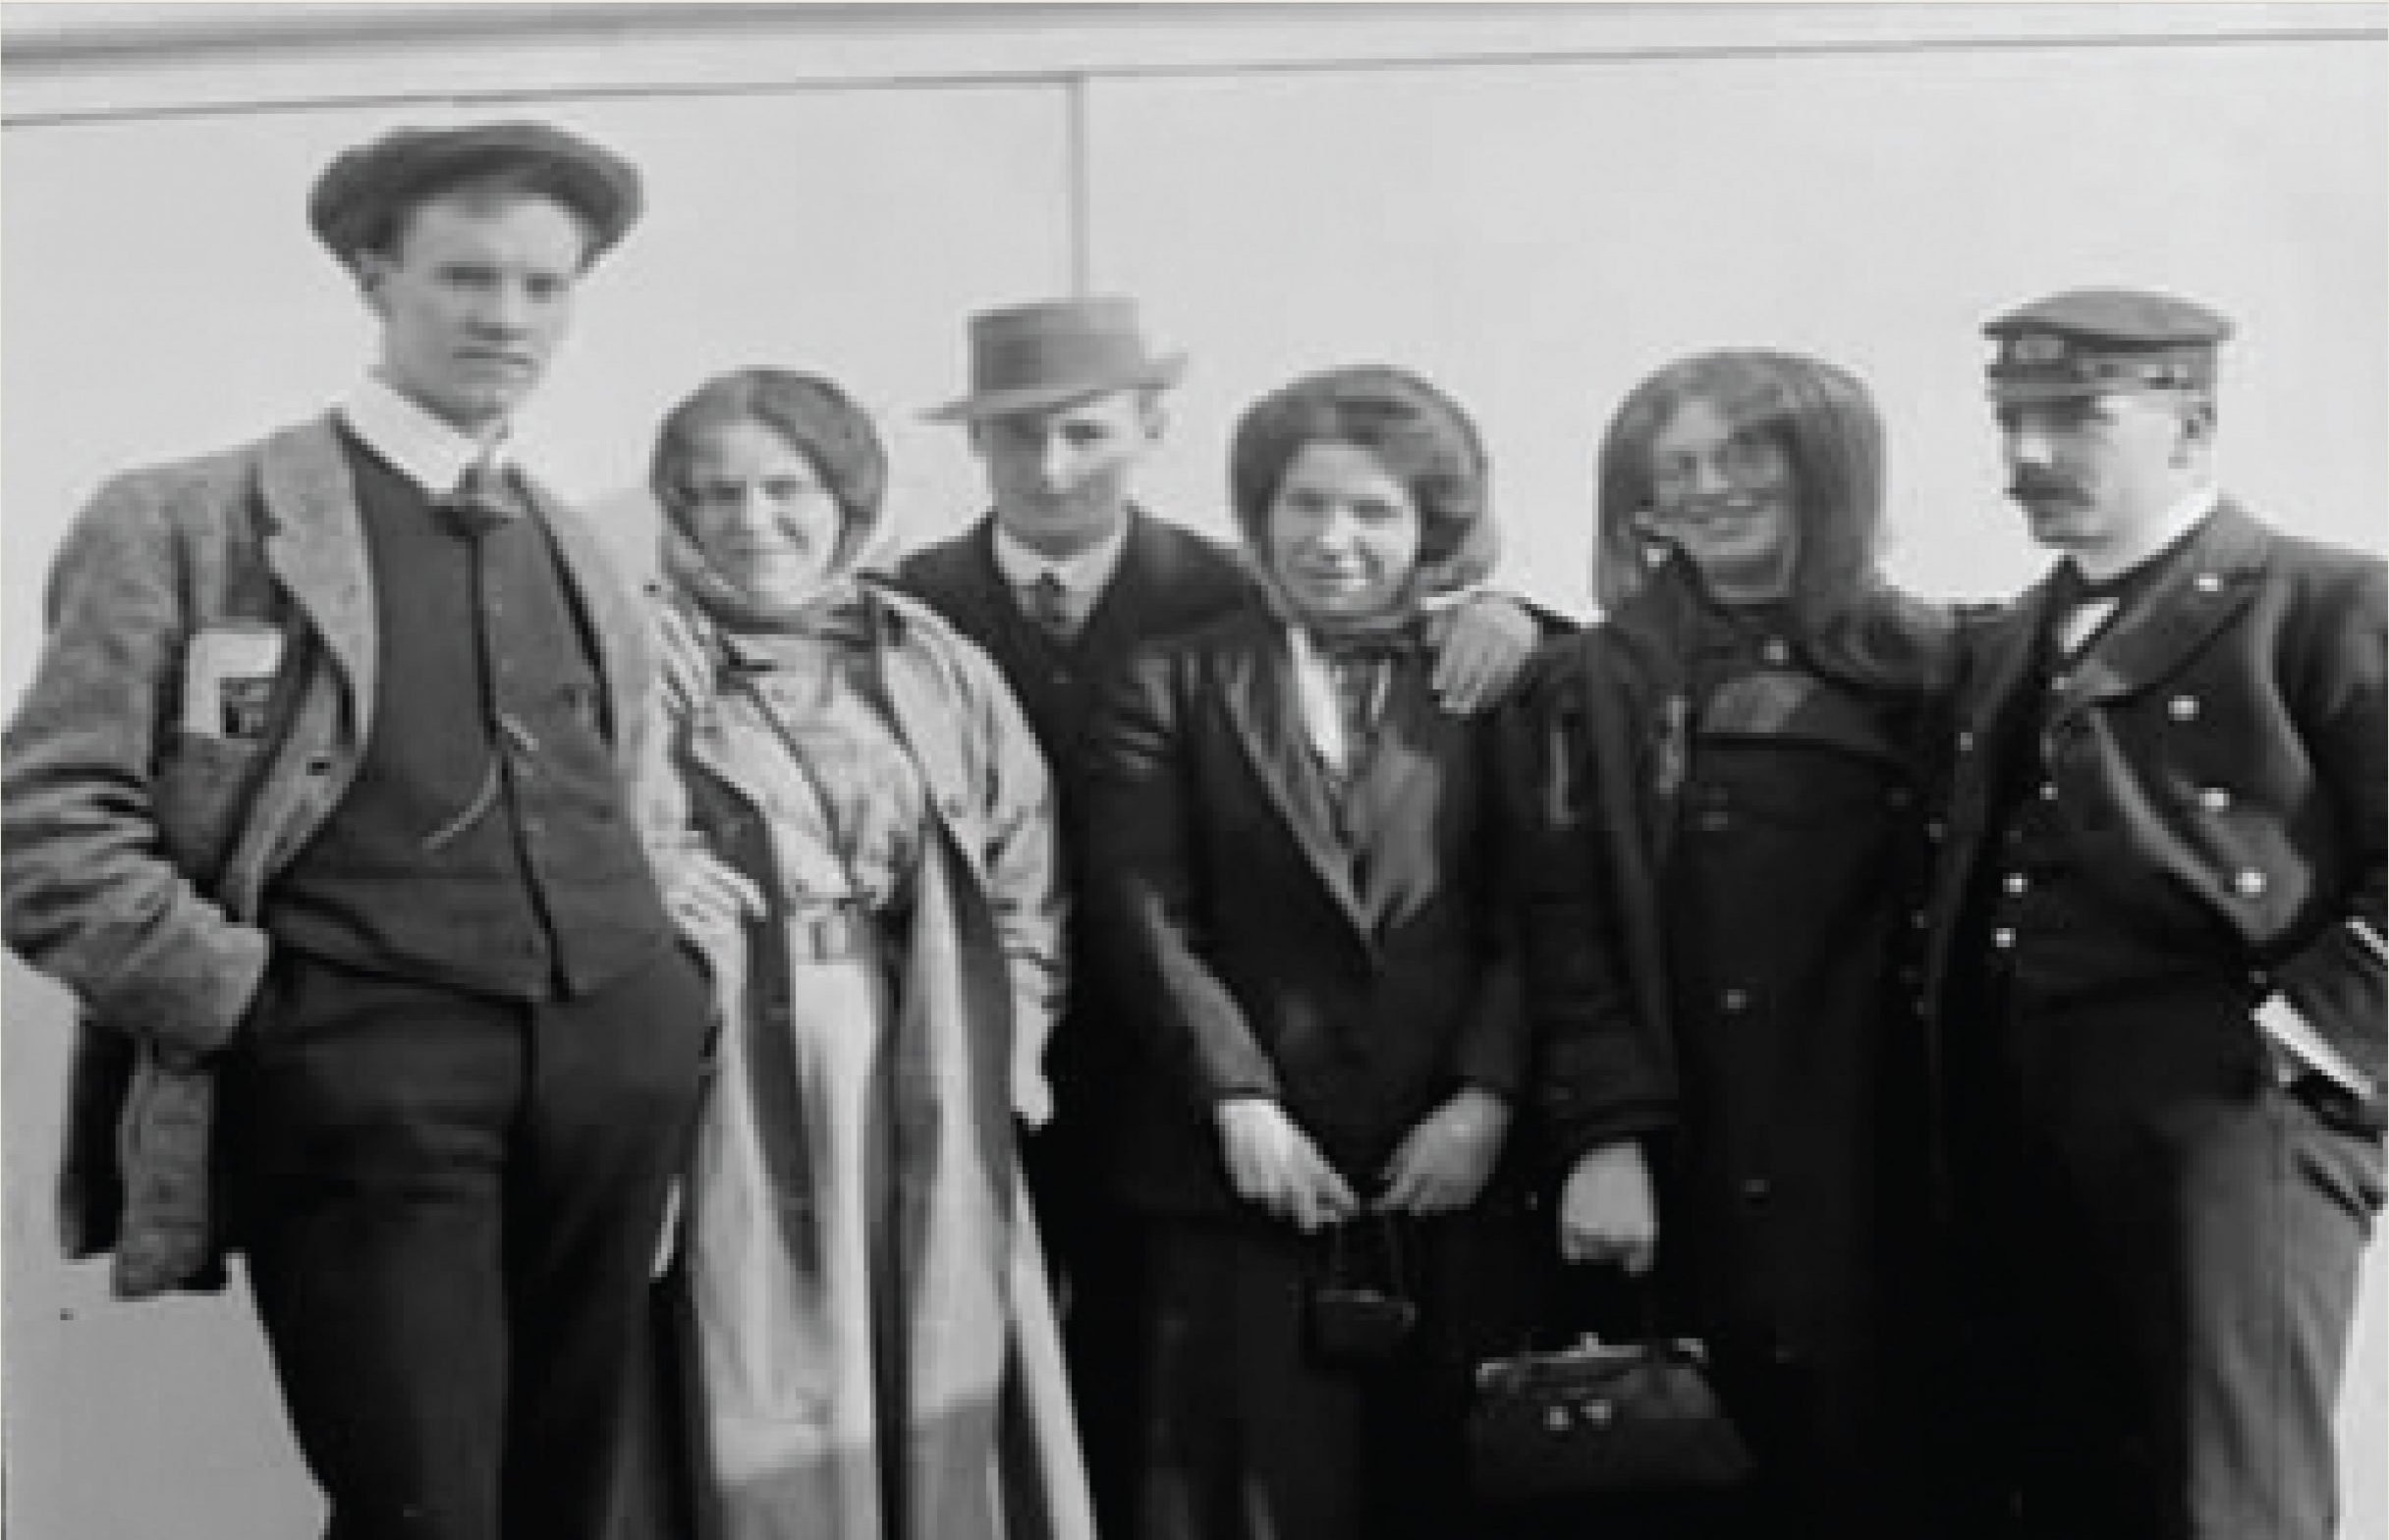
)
(1727, 496)
(1343, 533)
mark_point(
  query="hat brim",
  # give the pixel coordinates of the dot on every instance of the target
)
(1156, 373)
(2028, 394)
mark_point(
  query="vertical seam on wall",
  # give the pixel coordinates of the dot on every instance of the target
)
(1081, 195)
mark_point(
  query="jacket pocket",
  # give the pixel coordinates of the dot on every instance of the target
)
(197, 791)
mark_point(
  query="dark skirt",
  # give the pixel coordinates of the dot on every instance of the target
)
(1249, 1433)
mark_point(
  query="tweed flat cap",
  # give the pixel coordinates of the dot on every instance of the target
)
(363, 190)
(2090, 341)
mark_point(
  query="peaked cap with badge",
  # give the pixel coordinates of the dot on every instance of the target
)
(2096, 342)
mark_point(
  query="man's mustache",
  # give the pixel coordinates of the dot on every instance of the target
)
(2038, 488)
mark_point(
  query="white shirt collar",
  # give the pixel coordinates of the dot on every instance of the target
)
(1082, 576)
(2177, 523)
(429, 452)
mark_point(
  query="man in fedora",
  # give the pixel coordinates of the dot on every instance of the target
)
(1063, 578)
(317, 801)
(2156, 956)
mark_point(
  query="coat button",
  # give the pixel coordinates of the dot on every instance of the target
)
(2215, 799)
(2015, 882)
(2003, 938)
(2248, 883)
(2058, 682)
(2183, 708)
(2207, 583)
(1936, 830)
(1775, 650)
(1966, 742)
(2048, 790)
(1735, 1000)
(1756, 1189)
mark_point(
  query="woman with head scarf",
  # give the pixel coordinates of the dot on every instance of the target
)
(1728, 838)
(869, 1347)
(1294, 874)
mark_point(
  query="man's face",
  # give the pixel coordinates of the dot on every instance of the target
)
(473, 299)
(2098, 473)
(1060, 476)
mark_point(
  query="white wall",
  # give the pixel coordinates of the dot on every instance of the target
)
(1534, 206)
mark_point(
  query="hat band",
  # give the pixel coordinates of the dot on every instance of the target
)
(1051, 361)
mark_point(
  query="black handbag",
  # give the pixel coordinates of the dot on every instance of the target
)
(1350, 1322)
(1637, 1418)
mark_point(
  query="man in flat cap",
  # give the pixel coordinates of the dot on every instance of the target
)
(2156, 956)
(1059, 581)
(318, 803)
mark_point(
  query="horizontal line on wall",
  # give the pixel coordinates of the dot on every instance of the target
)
(566, 86)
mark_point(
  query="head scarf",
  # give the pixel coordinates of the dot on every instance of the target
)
(819, 421)
(1416, 433)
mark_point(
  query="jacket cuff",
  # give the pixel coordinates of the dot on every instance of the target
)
(190, 1006)
(2335, 984)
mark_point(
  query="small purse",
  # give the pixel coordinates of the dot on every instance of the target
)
(1600, 1417)
(1352, 1323)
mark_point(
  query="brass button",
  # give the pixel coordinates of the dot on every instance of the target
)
(1735, 1000)
(2215, 799)
(2003, 938)
(2183, 708)
(2248, 882)
(2207, 583)
(2015, 882)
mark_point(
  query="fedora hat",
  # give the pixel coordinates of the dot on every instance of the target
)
(1027, 357)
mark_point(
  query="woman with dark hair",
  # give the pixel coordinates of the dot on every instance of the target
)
(1295, 868)
(870, 1348)
(1728, 837)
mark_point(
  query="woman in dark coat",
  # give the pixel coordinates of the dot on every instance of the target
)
(1296, 872)
(1728, 831)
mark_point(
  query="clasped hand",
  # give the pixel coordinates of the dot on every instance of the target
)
(1441, 1165)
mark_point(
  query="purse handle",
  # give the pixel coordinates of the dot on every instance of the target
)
(1396, 1274)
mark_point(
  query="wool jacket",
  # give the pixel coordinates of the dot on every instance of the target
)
(2222, 753)
(202, 703)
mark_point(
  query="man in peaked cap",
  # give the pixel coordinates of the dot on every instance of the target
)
(2156, 956)
(321, 802)
(1063, 578)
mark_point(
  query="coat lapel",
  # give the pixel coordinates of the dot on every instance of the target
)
(2211, 581)
(619, 631)
(1138, 586)
(1412, 757)
(2004, 668)
(315, 545)
(1259, 700)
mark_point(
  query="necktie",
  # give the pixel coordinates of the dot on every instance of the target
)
(484, 499)
(1047, 602)
(1356, 676)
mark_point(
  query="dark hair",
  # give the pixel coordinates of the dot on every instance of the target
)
(1826, 423)
(1418, 434)
(525, 178)
(816, 418)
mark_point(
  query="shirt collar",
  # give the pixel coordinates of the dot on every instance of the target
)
(2167, 534)
(1083, 575)
(427, 450)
